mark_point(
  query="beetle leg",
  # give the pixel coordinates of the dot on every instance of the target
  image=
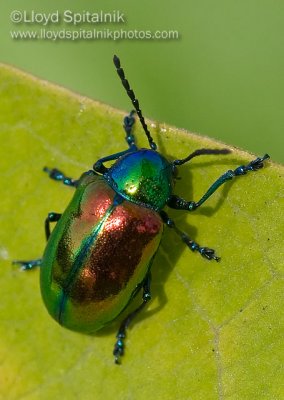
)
(206, 252)
(51, 217)
(128, 123)
(57, 175)
(27, 265)
(101, 169)
(121, 334)
(181, 204)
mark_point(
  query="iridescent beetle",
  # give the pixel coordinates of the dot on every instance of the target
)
(99, 255)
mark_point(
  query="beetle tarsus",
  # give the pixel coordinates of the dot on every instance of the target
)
(178, 203)
(28, 265)
(209, 254)
(206, 252)
(252, 166)
(118, 350)
(128, 124)
(57, 175)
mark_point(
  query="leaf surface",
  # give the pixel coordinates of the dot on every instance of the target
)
(212, 330)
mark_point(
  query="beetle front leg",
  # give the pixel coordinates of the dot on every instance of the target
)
(57, 175)
(181, 204)
(52, 217)
(121, 334)
(205, 252)
(99, 165)
(128, 123)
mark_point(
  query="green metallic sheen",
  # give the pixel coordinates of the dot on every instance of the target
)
(97, 256)
(144, 177)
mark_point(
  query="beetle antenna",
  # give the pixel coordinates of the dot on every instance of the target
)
(201, 152)
(135, 102)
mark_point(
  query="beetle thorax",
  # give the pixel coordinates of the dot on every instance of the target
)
(143, 177)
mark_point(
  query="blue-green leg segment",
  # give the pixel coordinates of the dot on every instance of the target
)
(181, 204)
(101, 169)
(52, 217)
(57, 175)
(206, 252)
(27, 265)
(121, 334)
(127, 125)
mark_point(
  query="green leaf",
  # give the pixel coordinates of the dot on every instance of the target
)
(212, 331)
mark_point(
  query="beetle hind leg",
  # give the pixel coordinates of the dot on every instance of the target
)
(121, 334)
(205, 252)
(28, 265)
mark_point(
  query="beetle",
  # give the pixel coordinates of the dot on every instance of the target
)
(99, 255)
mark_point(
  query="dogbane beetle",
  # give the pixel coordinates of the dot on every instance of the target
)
(99, 255)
